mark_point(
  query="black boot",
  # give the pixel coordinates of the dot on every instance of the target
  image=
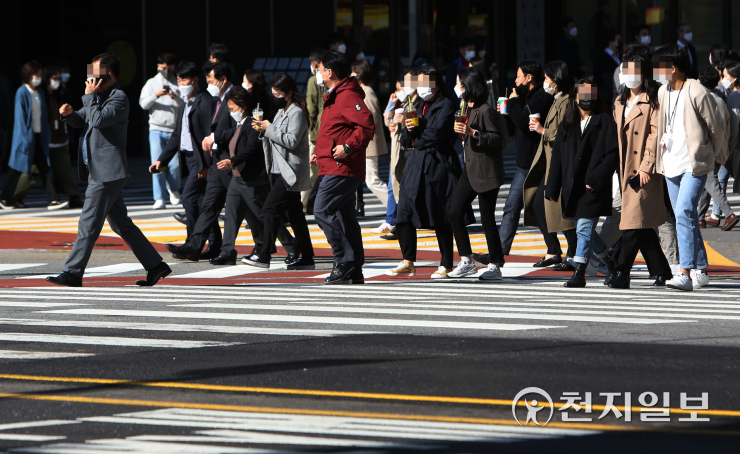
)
(341, 273)
(611, 270)
(621, 280)
(579, 276)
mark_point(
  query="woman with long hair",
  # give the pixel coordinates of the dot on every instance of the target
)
(287, 156)
(584, 158)
(254, 82)
(539, 211)
(482, 175)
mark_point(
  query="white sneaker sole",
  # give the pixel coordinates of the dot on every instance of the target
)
(679, 288)
(438, 276)
(467, 273)
(392, 274)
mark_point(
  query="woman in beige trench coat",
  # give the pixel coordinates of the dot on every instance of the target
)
(538, 211)
(636, 112)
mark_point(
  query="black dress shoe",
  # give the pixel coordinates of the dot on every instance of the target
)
(357, 277)
(303, 263)
(253, 260)
(565, 266)
(184, 252)
(66, 278)
(211, 253)
(481, 258)
(227, 259)
(291, 258)
(181, 218)
(621, 280)
(389, 237)
(659, 281)
(340, 274)
(579, 277)
(155, 274)
(554, 260)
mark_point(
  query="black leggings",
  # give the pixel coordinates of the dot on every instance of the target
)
(551, 239)
(45, 174)
(278, 201)
(406, 233)
(462, 198)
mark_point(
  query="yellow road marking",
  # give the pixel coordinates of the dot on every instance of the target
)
(311, 392)
(715, 258)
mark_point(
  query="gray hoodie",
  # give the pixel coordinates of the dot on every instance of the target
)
(161, 109)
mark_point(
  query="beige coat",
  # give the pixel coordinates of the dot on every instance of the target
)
(705, 130)
(638, 144)
(377, 146)
(541, 169)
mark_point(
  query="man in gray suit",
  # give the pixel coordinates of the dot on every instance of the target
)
(102, 161)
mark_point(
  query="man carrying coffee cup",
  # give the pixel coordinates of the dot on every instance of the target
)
(527, 103)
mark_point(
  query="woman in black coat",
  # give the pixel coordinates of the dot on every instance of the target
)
(430, 175)
(483, 174)
(584, 159)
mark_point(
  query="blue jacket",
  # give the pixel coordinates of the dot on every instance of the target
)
(23, 147)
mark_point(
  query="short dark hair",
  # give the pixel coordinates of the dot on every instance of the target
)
(567, 20)
(186, 68)
(219, 70)
(709, 77)
(219, 52)
(316, 54)
(718, 52)
(364, 72)
(533, 68)
(439, 82)
(680, 26)
(241, 97)
(256, 78)
(166, 58)
(467, 42)
(473, 81)
(337, 62)
(29, 69)
(558, 72)
(636, 31)
(675, 55)
(110, 61)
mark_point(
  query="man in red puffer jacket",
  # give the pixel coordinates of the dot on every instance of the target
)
(347, 126)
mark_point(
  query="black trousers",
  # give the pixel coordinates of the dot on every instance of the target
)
(647, 241)
(214, 199)
(278, 201)
(45, 174)
(572, 238)
(551, 239)
(462, 198)
(406, 233)
(192, 199)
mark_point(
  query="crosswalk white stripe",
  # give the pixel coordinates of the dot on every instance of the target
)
(306, 319)
(30, 438)
(18, 266)
(36, 304)
(17, 354)
(110, 341)
(99, 271)
(228, 271)
(34, 424)
(245, 436)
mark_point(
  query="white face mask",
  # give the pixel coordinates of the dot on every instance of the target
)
(469, 55)
(185, 91)
(688, 36)
(482, 54)
(459, 91)
(237, 116)
(401, 95)
(727, 83)
(549, 88)
(425, 93)
(55, 84)
(646, 40)
(36, 81)
(246, 87)
(342, 48)
(632, 81)
(319, 79)
(213, 90)
(409, 90)
(573, 32)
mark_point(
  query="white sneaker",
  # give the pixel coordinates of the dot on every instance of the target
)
(463, 269)
(174, 197)
(441, 273)
(383, 228)
(159, 205)
(680, 282)
(57, 205)
(493, 273)
(699, 278)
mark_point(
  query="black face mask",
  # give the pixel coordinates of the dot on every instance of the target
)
(280, 103)
(587, 104)
(521, 90)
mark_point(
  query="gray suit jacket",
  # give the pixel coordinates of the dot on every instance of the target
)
(288, 136)
(107, 116)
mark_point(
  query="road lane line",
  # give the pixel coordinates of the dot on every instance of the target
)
(109, 341)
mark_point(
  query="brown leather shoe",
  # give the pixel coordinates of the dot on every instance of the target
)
(702, 224)
(730, 222)
(711, 221)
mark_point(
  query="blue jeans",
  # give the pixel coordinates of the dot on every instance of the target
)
(169, 179)
(685, 191)
(588, 240)
(390, 212)
(512, 210)
(723, 176)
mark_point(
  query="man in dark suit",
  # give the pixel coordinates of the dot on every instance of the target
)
(606, 63)
(194, 118)
(102, 162)
(685, 36)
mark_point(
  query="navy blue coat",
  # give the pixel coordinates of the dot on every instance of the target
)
(24, 145)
